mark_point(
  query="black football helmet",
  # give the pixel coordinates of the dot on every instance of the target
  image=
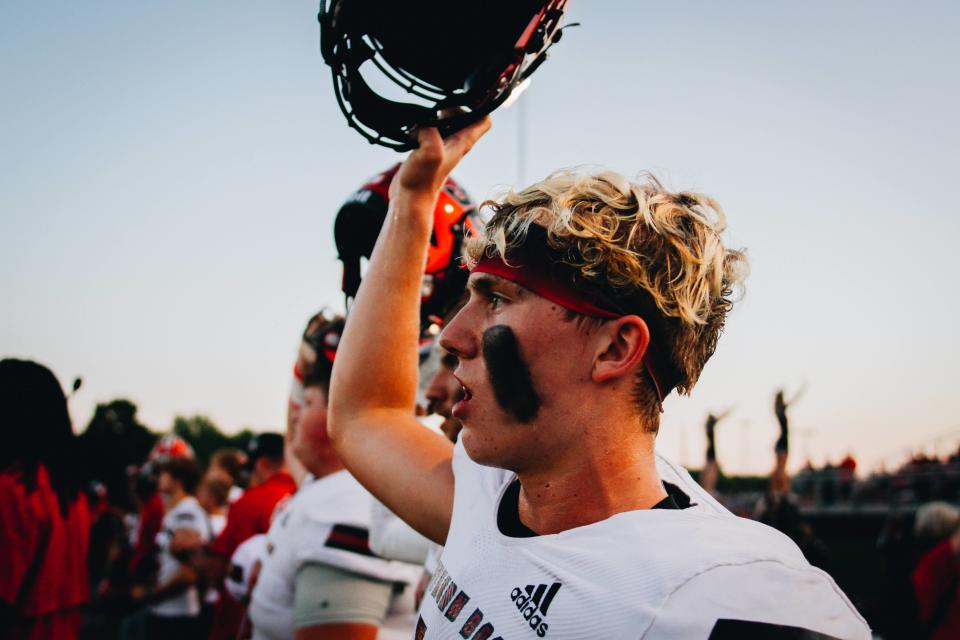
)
(455, 218)
(458, 60)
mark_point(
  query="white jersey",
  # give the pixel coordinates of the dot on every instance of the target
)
(692, 573)
(186, 514)
(326, 521)
(394, 539)
(218, 522)
(433, 558)
(248, 554)
(234, 494)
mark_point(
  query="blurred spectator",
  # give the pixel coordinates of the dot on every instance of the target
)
(711, 469)
(778, 508)
(934, 523)
(44, 516)
(895, 612)
(779, 480)
(143, 560)
(213, 495)
(781, 513)
(108, 562)
(845, 473)
(168, 447)
(174, 600)
(269, 484)
(229, 463)
(936, 580)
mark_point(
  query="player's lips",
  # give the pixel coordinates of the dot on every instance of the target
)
(460, 407)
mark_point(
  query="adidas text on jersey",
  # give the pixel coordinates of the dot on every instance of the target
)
(533, 603)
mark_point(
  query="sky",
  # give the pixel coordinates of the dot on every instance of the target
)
(170, 172)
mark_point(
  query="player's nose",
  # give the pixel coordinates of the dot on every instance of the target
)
(459, 337)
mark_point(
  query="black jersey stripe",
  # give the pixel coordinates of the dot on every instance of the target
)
(347, 538)
(751, 630)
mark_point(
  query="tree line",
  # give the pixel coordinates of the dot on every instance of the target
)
(115, 440)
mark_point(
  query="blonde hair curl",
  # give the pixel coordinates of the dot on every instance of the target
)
(632, 236)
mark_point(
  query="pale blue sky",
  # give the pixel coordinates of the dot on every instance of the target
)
(169, 174)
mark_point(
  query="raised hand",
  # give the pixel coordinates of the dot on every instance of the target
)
(426, 168)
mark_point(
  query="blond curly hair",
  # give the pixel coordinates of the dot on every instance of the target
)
(632, 236)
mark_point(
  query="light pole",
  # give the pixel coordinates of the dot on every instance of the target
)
(521, 142)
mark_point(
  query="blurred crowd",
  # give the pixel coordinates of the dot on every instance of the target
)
(82, 559)
(177, 547)
(112, 535)
(917, 594)
(176, 551)
(921, 479)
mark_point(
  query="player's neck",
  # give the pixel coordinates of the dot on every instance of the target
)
(596, 481)
(325, 466)
(266, 476)
(178, 497)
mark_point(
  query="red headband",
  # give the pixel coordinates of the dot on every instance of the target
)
(556, 282)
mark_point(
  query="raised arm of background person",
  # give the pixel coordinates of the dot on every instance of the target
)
(373, 390)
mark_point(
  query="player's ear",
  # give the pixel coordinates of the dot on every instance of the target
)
(621, 345)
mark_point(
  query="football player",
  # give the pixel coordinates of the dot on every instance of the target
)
(318, 577)
(175, 601)
(591, 298)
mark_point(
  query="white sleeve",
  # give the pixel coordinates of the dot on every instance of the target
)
(764, 599)
(433, 558)
(347, 547)
(250, 551)
(183, 519)
(394, 539)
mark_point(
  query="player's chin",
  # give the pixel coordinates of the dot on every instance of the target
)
(451, 428)
(488, 446)
(478, 445)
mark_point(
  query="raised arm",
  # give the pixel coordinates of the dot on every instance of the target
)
(373, 390)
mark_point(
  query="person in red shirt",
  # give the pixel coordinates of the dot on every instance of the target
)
(143, 560)
(269, 483)
(936, 584)
(249, 515)
(44, 516)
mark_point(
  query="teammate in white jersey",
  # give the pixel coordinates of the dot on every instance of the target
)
(591, 298)
(174, 601)
(318, 578)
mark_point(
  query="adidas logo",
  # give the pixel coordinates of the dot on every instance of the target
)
(532, 602)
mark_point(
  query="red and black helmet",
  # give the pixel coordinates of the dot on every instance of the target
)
(168, 447)
(455, 218)
(452, 62)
